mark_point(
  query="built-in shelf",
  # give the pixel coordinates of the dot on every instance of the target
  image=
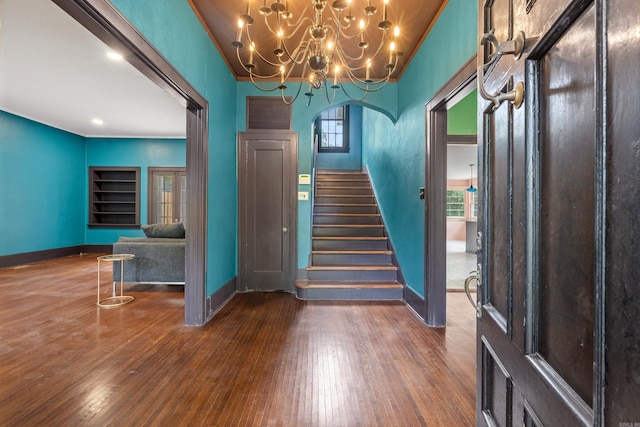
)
(114, 197)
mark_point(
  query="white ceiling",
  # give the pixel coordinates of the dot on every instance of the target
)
(54, 71)
(459, 157)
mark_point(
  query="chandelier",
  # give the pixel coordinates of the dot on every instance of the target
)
(323, 44)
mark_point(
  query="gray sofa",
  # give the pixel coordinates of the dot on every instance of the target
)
(158, 259)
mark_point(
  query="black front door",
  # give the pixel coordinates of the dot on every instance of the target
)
(546, 245)
(266, 199)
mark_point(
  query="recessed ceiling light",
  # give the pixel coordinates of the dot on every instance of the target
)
(115, 56)
(97, 122)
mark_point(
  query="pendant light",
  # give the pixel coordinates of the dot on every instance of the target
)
(471, 188)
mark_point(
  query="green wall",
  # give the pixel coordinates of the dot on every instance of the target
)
(173, 29)
(461, 118)
(394, 153)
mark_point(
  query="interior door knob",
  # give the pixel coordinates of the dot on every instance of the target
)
(474, 276)
(285, 229)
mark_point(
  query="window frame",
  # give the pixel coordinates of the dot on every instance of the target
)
(463, 203)
(151, 195)
(345, 131)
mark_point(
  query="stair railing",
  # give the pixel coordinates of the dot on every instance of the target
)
(314, 165)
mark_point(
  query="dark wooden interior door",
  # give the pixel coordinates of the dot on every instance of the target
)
(537, 257)
(266, 198)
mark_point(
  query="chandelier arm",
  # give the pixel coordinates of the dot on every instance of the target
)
(342, 55)
(300, 49)
(351, 97)
(377, 84)
(382, 40)
(284, 99)
(301, 19)
(264, 59)
(333, 98)
(257, 86)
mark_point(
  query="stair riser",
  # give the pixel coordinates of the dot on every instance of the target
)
(344, 191)
(348, 232)
(349, 245)
(346, 209)
(334, 199)
(351, 184)
(353, 275)
(325, 176)
(351, 294)
(364, 220)
(346, 259)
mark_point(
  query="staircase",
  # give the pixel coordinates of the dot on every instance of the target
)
(351, 257)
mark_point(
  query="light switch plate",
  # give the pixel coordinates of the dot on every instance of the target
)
(304, 179)
(303, 195)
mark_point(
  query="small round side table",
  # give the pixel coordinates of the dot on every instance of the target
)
(115, 300)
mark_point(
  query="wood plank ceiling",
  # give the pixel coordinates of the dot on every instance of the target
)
(414, 17)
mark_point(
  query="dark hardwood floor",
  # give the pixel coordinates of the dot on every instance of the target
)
(266, 359)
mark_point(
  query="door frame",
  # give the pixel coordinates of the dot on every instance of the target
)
(293, 204)
(102, 19)
(459, 85)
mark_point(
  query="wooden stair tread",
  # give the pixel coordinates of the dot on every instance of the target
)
(352, 267)
(351, 196)
(348, 225)
(339, 172)
(354, 252)
(332, 179)
(350, 238)
(337, 284)
(340, 187)
(346, 204)
(346, 214)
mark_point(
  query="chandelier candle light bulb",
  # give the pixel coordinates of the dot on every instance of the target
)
(392, 48)
(367, 79)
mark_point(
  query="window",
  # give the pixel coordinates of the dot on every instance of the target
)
(167, 195)
(332, 128)
(455, 203)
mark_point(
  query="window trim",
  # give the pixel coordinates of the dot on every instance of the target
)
(177, 170)
(345, 132)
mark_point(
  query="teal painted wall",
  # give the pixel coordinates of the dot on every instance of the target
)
(353, 159)
(173, 29)
(302, 123)
(130, 152)
(43, 192)
(394, 153)
(461, 118)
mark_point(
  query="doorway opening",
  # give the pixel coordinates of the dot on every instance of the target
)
(461, 207)
(460, 86)
(108, 25)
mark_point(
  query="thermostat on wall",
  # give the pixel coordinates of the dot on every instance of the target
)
(304, 179)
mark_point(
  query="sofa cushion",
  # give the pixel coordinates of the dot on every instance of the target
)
(175, 230)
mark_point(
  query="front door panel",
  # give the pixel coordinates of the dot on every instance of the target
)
(537, 220)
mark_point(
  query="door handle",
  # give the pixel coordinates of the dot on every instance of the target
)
(285, 229)
(473, 276)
